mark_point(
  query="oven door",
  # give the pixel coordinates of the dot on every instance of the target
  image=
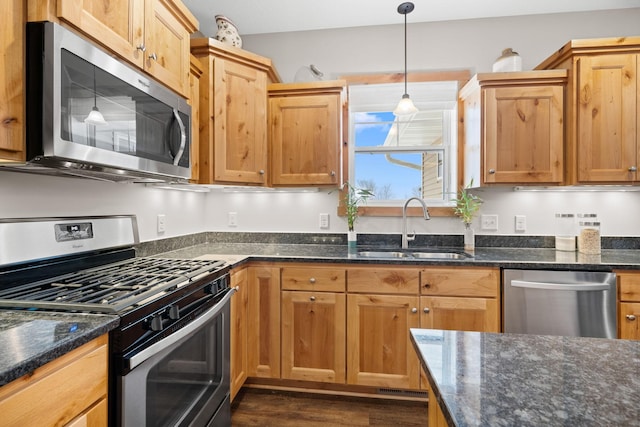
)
(182, 380)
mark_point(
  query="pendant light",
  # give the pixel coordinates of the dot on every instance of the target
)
(405, 106)
(95, 117)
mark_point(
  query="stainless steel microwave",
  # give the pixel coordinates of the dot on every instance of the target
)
(89, 113)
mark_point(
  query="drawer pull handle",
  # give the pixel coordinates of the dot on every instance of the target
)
(312, 280)
(631, 317)
(426, 309)
(312, 298)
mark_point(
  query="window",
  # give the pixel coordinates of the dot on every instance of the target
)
(405, 156)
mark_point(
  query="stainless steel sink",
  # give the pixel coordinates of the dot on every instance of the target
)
(418, 255)
(383, 254)
(439, 255)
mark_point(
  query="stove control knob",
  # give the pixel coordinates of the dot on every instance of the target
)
(154, 323)
(173, 312)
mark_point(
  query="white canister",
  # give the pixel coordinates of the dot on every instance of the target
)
(508, 61)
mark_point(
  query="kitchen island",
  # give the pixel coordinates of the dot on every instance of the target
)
(488, 379)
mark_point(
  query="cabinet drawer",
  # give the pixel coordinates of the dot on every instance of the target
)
(59, 391)
(382, 280)
(629, 286)
(465, 282)
(313, 279)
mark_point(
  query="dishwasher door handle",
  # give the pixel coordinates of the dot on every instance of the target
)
(587, 286)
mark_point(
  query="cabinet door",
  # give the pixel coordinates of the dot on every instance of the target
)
(96, 416)
(379, 350)
(305, 139)
(524, 134)
(167, 43)
(458, 313)
(240, 123)
(263, 322)
(607, 116)
(313, 336)
(629, 320)
(12, 88)
(117, 24)
(239, 310)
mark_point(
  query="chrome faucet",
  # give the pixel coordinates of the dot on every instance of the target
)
(405, 237)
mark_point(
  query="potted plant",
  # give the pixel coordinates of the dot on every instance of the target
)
(467, 206)
(353, 197)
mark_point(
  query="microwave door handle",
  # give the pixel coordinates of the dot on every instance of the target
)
(586, 286)
(183, 138)
(156, 348)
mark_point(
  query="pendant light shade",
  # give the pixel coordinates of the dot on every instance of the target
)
(95, 117)
(405, 106)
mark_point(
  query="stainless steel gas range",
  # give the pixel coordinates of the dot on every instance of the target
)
(169, 357)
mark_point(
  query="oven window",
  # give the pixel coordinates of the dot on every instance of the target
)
(180, 384)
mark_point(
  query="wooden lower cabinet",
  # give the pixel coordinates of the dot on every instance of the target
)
(379, 351)
(70, 390)
(263, 318)
(435, 416)
(239, 329)
(313, 336)
(628, 304)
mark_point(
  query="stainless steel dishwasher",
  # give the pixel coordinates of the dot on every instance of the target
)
(570, 303)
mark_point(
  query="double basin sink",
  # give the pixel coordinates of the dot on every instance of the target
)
(414, 254)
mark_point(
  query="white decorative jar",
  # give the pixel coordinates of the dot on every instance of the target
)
(508, 61)
(227, 32)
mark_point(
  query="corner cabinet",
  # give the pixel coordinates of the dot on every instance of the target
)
(305, 125)
(514, 127)
(152, 35)
(68, 391)
(12, 89)
(603, 109)
(233, 113)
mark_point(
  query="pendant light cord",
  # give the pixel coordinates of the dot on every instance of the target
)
(95, 94)
(405, 53)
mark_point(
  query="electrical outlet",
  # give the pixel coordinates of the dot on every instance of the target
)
(324, 220)
(161, 223)
(521, 223)
(489, 222)
(232, 219)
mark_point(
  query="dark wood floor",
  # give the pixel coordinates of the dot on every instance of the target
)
(257, 407)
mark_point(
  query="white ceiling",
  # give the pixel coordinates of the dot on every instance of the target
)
(274, 16)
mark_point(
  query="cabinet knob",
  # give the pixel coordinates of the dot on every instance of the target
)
(153, 56)
(414, 310)
(426, 309)
(492, 171)
(631, 317)
(141, 48)
(237, 288)
(333, 173)
(427, 285)
(633, 169)
(312, 280)
(261, 171)
(312, 298)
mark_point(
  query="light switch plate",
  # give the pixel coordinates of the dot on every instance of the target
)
(521, 223)
(324, 220)
(489, 222)
(161, 223)
(232, 219)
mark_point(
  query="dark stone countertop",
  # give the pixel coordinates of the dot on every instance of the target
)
(30, 339)
(489, 379)
(524, 258)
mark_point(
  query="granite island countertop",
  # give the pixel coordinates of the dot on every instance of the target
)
(490, 379)
(528, 258)
(30, 339)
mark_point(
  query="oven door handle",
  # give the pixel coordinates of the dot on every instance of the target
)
(191, 327)
(586, 286)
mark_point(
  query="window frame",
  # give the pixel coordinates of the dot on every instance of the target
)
(462, 77)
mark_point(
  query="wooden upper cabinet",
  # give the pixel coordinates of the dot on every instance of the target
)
(607, 114)
(12, 90)
(233, 113)
(305, 125)
(602, 109)
(194, 101)
(514, 127)
(151, 34)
